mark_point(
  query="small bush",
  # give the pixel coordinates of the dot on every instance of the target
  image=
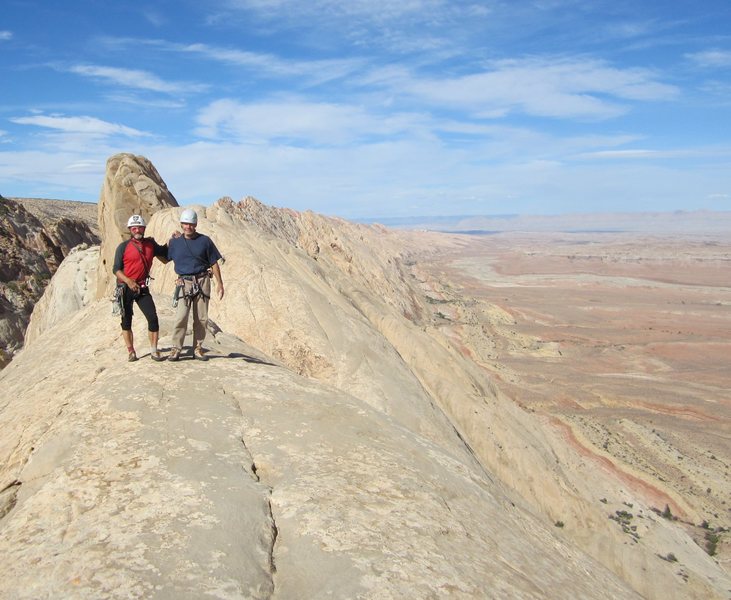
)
(711, 542)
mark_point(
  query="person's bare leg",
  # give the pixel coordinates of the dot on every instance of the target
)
(129, 341)
(154, 336)
(154, 353)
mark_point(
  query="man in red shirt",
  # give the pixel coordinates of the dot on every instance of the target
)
(132, 264)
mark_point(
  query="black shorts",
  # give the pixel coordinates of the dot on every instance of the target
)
(147, 306)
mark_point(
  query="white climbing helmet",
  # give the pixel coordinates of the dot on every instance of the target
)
(189, 216)
(136, 221)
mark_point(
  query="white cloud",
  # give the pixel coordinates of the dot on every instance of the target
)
(389, 177)
(85, 166)
(712, 154)
(79, 125)
(46, 174)
(622, 154)
(408, 26)
(6, 35)
(711, 58)
(298, 121)
(268, 65)
(135, 100)
(376, 11)
(262, 64)
(155, 17)
(565, 88)
(135, 78)
(379, 179)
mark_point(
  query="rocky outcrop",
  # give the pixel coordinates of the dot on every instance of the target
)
(71, 289)
(32, 250)
(132, 185)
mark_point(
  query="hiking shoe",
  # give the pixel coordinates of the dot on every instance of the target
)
(174, 354)
(156, 356)
(198, 353)
(132, 356)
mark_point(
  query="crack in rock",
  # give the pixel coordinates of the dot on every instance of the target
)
(9, 497)
(273, 523)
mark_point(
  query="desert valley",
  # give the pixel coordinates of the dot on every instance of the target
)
(622, 340)
(387, 414)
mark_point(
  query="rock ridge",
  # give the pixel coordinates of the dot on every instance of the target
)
(335, 444)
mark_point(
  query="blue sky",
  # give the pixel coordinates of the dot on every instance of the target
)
(375, 108)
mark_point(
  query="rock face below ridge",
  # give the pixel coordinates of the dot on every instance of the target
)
(32, 249)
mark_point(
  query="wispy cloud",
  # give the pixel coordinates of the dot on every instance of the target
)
(268, 65)
(6, 35)
(646, 154)
(154, 17)
(79, 125)
(409, 26)
(133, 99)
(376, 11)
(296, 121)
(262, 64)
(137, 79)
(85, 166)
(621, 154)
(566, 88)
(711, 58)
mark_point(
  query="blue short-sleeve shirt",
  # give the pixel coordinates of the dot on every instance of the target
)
(191, 256)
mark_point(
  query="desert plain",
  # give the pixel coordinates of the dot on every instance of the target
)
(622, 341)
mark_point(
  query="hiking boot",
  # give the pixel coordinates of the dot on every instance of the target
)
(132, 356)
(157, 356)
(198, 353)
(174, 354)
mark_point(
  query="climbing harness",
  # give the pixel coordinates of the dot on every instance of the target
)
(188, 287)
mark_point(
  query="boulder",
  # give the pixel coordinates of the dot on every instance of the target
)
(132, 185)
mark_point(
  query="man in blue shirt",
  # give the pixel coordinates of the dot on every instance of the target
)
(196, 258)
